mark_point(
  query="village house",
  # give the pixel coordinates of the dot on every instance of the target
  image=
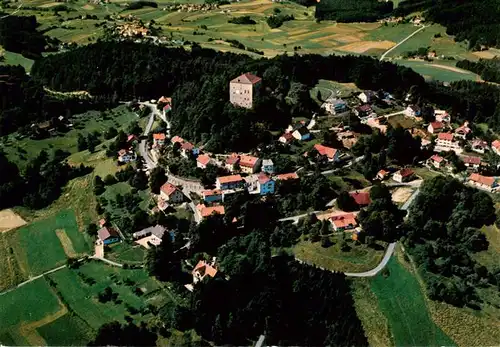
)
(436, 161)
(125, 156)
(413, 111)
(471, 162)
(108, 235)
(286, 138)
(265, 184)
(268, 166)
(243, 89)
(435, 127)
(158, 140)
(379, 123)
(382, 175)
(231, 162)
(495, 147)
(442, 116)
(287, 176)
(249, 164)
(229, 182)
(177, 139)
(171, 194)
(203, 211)
(331, 153)
(152, 235)
(363, 111)
(479, 146)
(361, 198)
(335, 106)
(446, 143)
(188, 149)
(213, 195)
(203, 160)
(403, 175)
(367, 96)
(463, 131)
(487, 183)
(344, 222)
(302, 134)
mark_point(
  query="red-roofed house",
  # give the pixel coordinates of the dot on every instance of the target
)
(203, 269)
(463, 131)
(177, 139)
(495, 147)
(286, 138)
(203, 211)
(229, 182)
(437, 161)
(212, 195)
(243, 89)
(187, 149)
(445, 143)
(249, 164)
(484, 182)
(108, 235)
(435, 127)
(331, 153)
(158, 139)
(361, 198)
(170, 193)
(265, 184)
(287, 176)
(203, 160)
(132, 138)
(344, 222)
(231, 161)
(382, 174)
(479, 146)
(403, 175)
(471, 161)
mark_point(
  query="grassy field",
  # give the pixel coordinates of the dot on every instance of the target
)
(374, 322)
(403, 303)
(11, 58)
(126, 253)
(359, 258)
(441, 71)
(402, 121)
(332, 89)
(63, 309)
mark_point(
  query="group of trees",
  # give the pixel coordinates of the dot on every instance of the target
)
(198, 81)
(442, 234)
(353, 11)
(277, 20)
(242, 20)
(18, 34)
(39, 184)
(488, 69)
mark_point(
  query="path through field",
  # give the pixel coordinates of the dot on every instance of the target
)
(402, 41)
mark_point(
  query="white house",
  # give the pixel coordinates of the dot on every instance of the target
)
(463, 131)
(471, 161)
(367, 96)
(302, 134)
(445, 143)
(171, 194)
(435, 127)
(203, 160)
(437, 161)
(403, 175)
(413, 111)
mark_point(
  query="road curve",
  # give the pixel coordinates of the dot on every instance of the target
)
(402, 41)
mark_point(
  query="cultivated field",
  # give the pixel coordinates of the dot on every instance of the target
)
(403, 303)
(10, 220)
(62, 309)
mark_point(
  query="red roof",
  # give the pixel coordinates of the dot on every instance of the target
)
(168, 188)
(263, 178)
(187, 146)
(105, 233)
(122, 152)
(344, 220)
(287, 176)
(328, 151)
(361, 198)
(437, 158)
(159, 136)
(229, 179)
(232, 159)
(248, 161)
(496, 144)
(287, 136)
(176, 139)
(212, 192)
(406, 172)
(204, 269)
(445, 136)
(383, 173)
(437, 125)
(247, 78)
(203, 159)
(165, 100)
(471, 160)
(486, 180)
(208, 211)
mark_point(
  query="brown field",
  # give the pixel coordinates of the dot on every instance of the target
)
(486, 54)
(451, 68)
(400, 195)
(66, 243)
(363, 46)
(10, 220)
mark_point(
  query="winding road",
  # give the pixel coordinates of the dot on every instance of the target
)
(402, 41)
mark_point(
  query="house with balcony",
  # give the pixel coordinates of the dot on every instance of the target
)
(229, 182)
(479, 146)
(265, 184)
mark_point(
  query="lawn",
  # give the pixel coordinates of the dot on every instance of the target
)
(124, 252)
(358, 259)
(330, 88)
(402, 121)
(44, 246)
(13, 262)
(426, 174)
(403, 303)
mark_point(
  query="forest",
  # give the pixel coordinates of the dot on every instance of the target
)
(488, 69)
(198, 81)
(442, 234)
(477, 21)
(346, 11)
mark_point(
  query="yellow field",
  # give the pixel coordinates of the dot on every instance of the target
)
(10, 220)
(363, 46)
(66, 243)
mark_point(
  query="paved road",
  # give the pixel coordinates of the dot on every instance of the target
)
(107, 261)
(402, 41)
(295, 219)
(394, 114)
(143, 145)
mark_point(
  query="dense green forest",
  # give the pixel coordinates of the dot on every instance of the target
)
(477, 21)
(442, 233)
(347, 11)
(488, 69)
(198, 81)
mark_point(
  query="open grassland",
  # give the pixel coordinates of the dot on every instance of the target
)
(403, 303)
(63, 309)
(11, 58)
(374, 322)
(13, 262)
(333, 89)
(442, 71)
(359, 258)
(22, 150)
